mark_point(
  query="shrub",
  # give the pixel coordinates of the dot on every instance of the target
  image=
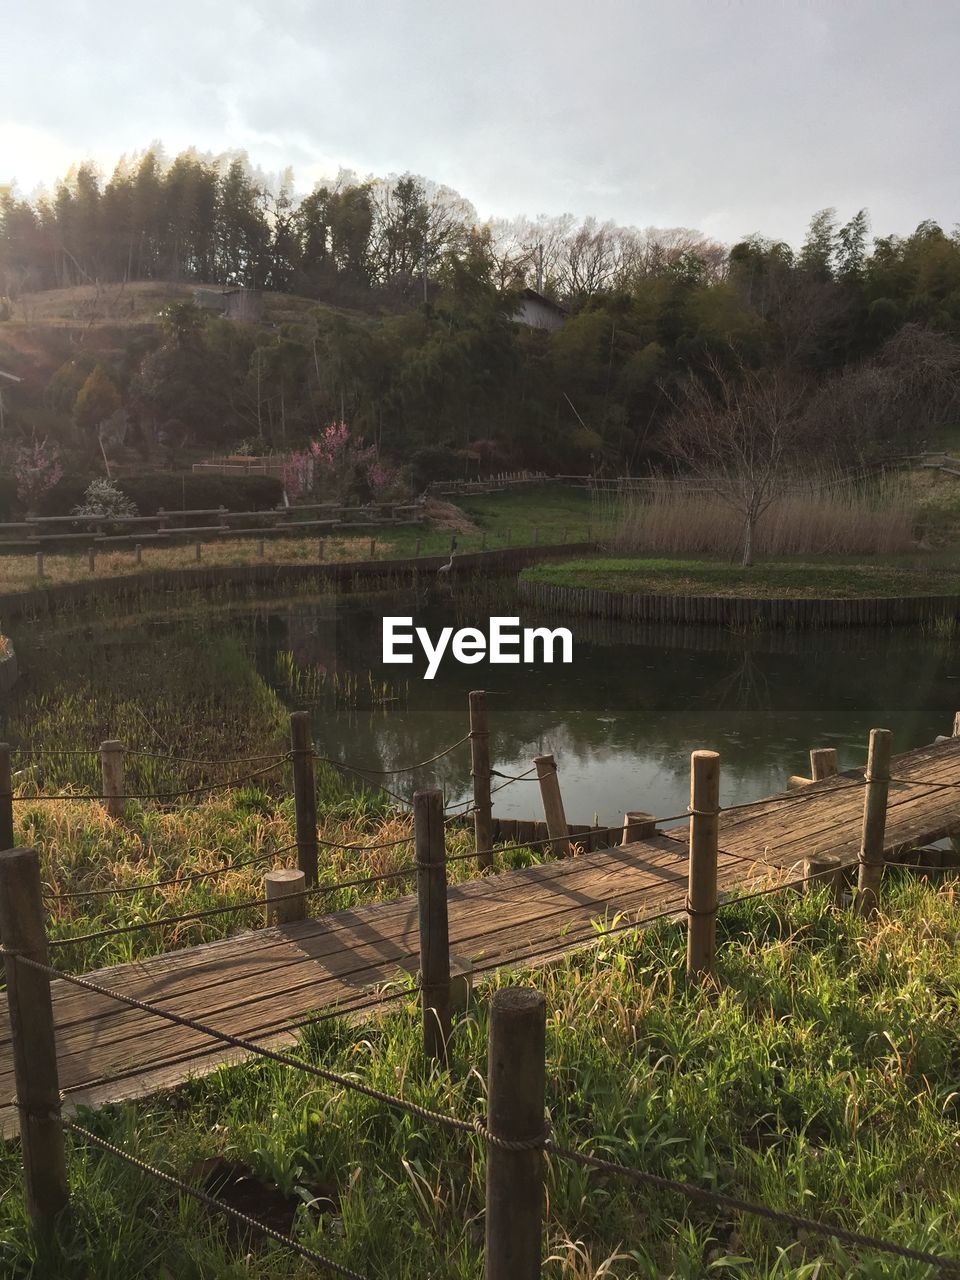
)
(8, 497)
(103, 498)
(175, 491)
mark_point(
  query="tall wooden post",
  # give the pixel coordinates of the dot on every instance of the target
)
(877, 780)
(823, 763)
(6, 798)
(138, 553)
(304, 794)
(32, 1035)
(40, 572)
(515, 1100)
(111, 773)
(92, 560)
(557, 828)
(260, 548)
(434, 931)
(198, 553)
(702, 869)
(373, 548)
(321, 550)
(480, 768)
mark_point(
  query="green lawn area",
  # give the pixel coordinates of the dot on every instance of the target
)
(818, 1076)
(821, 579)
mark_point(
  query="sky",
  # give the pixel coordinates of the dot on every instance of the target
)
(728, 117)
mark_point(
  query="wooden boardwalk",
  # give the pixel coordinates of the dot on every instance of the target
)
(264, 984)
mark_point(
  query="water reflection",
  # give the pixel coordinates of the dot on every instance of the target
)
(636, 701)
(622, 720)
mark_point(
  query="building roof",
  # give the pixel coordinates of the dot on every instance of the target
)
(533, 296)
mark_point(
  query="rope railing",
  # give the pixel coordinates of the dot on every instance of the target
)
(477, 1126)
(190, 878)
(206, 789)
(214, 1202)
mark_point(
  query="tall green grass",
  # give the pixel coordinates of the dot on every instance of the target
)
(817, 1077)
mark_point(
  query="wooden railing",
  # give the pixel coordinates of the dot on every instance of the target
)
(168, 525)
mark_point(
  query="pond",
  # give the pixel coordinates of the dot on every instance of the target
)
(621, 720)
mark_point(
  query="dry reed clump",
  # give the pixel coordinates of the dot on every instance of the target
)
(818, 516)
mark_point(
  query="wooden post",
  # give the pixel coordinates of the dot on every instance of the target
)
(638, 825)
(6, 798)
(702, 868)
(483, 542)
(283, 888)
(536, 535)
(40, 573)
(92, 560)
(304, 794)
(820, 870)
(260, 548)
(111, 772)
(198, 553)
(321, 550)
(515, 1101)
(434, 933)
(823, 763)
(557, 827)
(589, 533)
(877, 780)
(419, 547)
(33, 1041)
(373, 548)
(480, 768)
(138, 553)
(509, 536)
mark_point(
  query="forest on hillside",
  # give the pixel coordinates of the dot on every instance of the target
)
(411, 338)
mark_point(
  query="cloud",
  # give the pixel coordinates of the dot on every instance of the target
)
(729, 117)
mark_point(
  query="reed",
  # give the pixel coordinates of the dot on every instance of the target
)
(822, 515)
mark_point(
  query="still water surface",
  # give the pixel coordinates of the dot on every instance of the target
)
(624, 717)
(621, 720)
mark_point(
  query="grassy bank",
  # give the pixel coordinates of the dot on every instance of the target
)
(547, 514)
(818, 1077)
(821, 579)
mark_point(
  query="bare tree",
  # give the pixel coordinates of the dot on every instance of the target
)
(739, 431)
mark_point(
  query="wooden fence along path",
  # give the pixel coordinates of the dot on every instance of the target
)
(262, 985)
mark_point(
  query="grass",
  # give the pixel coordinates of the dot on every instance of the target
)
(546, 514)
(769, 579)
(818, 1076)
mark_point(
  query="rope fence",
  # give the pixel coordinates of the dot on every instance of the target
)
(511, 1230)
(504, 1144)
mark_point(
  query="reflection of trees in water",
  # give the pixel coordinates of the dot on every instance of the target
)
(746, 687)
(635, 697)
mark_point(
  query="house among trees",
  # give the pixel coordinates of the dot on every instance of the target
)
(538, 311)
(231, 303)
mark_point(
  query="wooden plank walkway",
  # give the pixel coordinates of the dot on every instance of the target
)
(264, 984)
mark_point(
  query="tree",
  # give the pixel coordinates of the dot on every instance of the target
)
(97, 399)
(739, 431)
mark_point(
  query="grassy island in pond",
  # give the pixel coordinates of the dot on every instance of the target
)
(778, 579)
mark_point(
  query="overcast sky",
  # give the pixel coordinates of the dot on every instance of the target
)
(726, 116)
